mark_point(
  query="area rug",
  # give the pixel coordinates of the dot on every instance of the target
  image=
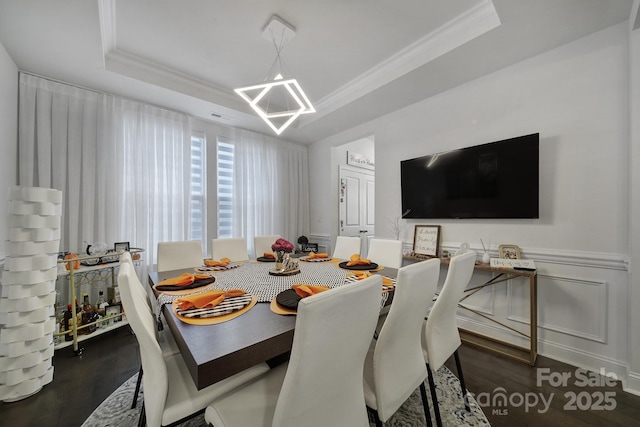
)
(116, 410)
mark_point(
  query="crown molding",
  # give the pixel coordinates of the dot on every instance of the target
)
(142, 69)
(139, 68)
(455, 33)
(107, 10)
(460, 30)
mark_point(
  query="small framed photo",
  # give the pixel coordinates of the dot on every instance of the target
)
(111, 310)
(309, 247)
(121, 247)
(509, 251)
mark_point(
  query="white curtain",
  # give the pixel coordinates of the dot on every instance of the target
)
(124, 167)
(271, 187)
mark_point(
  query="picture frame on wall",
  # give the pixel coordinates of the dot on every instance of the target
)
(509, 251)
(426, 241)
(360, 161)
(122, 247)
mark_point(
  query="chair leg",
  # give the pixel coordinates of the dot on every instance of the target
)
(425, 405)
(434, 397)
(377, 418)
(142, 421)
(461, 378)
(135, 393)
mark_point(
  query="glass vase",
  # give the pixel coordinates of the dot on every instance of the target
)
(279, 259)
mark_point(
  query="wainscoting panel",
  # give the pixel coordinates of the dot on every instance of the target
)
(484, 299)
(573, 306)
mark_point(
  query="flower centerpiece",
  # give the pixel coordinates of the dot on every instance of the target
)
(280, 248)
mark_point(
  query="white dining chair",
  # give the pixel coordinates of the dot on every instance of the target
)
(346, 246)
(234, 248)
(262, 244)
(440, 338)
(165, 339)
(170, 394)
(385, 252)
(178, 255)
(394, 367)
(321, 385)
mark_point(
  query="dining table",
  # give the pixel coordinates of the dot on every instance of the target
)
(213, 352)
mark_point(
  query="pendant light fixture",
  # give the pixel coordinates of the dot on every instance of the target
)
(279, 100)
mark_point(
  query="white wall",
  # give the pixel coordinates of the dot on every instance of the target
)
(8, 136)
(577, 98)
(633, 302)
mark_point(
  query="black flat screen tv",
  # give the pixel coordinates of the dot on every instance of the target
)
(494, 180)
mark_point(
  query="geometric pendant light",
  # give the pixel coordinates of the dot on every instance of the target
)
(278, 101)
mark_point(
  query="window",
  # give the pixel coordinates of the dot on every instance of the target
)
(225, 157)
(198, 212)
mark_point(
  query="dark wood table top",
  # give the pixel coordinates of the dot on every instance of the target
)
(215, 352)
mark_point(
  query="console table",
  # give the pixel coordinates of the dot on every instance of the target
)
(523, 354)
(513, 351)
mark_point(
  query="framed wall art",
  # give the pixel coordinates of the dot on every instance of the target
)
(426, 241)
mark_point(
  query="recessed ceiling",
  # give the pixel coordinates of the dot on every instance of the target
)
(356, 59)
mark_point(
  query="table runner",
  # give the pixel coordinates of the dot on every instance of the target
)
(254, 278)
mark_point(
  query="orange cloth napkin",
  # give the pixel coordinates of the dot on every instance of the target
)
(183, 279)
(313, 255)
(213, 263)
(305, 290)
(362, 274)
(356, 260)
(269, 255)
(206, 299)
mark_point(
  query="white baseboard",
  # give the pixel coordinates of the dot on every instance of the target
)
(592, 362)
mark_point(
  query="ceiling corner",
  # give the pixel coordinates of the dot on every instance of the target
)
(473, 23)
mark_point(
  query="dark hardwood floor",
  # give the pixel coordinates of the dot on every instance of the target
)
(81, 383)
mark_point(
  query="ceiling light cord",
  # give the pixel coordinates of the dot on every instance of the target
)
(289, 100)
(277, 67)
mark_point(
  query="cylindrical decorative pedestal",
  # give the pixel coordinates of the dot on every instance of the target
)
(28, 291)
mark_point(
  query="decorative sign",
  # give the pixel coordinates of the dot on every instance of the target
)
(519, 264)
(309, 247)
(355, 159)
(426, 240)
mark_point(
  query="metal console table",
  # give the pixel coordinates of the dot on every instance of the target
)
(513, 351)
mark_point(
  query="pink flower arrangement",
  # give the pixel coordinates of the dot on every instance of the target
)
(282, 245)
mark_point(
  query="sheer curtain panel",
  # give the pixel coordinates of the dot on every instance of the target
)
(123, 166)
(271, 187)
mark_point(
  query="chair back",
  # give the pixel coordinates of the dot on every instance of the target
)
(385, 252)
(323, 382)
(262, 244)
(155, 382)
(177, 255)
(398, 364)
(441, 337)
(234, 248)
(346, 246)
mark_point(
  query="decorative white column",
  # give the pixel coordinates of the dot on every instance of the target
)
(28, 291)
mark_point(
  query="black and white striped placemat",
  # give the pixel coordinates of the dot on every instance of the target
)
(228, 306)
(254, 279)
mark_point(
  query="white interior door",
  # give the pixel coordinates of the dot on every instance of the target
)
(357, 205)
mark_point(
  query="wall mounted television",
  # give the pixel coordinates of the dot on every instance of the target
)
(494, 180)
